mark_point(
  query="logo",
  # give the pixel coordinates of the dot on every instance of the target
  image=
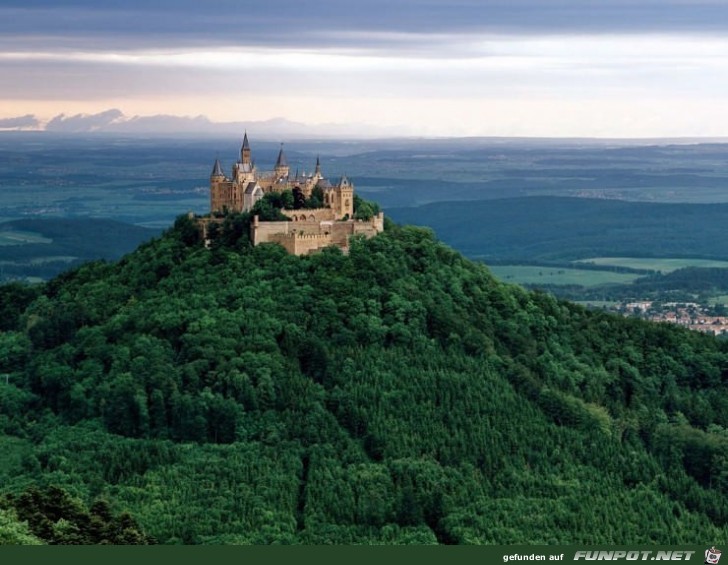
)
(712, 556)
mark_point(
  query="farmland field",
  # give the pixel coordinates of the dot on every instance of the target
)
(17, 237)
(548, 275)
(663, 265)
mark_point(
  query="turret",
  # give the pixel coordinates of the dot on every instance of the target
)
(217, 173)
(317, 172)
(344, 203)
(281, 168)
(217, 184)
(245, 151)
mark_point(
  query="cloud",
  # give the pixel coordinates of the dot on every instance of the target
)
(347, 61)
(336, 24)
(29, 121)
(84, 122)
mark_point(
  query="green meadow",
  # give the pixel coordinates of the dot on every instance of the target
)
(666, 265)
(17, 237)
(548, 275)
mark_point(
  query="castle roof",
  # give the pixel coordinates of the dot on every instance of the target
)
(217, 169)
(343, 181)
(246, 145)
(252, 186)
(281, 161)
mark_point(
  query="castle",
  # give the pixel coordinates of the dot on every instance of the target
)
(307, 229)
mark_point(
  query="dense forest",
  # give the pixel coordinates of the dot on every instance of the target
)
(395, 394)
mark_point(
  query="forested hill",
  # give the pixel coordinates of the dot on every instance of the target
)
(397, 394)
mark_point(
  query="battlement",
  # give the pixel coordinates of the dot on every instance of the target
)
(310, 215)
(302, 238)
(296, 235)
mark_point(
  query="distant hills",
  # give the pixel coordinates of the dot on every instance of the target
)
(115, 121)
(558, 228)
(45, 247)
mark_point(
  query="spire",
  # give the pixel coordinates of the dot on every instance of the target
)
(281, 161)
(217, 169)
(245, 150)
(318, 166)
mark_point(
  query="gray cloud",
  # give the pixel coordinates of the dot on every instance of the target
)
(83, 122)
(333, 23)
(20, 122)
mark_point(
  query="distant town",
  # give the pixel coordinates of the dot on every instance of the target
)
(691, 315)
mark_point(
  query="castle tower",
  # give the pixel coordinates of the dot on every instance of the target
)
(217, 187)
(243, 171)
(344, 199)
(317, 173)
(245, 151)
(217, 171)
(281, 169)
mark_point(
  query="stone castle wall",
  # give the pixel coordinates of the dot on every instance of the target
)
(313, 215)
(303, 237)
(301, 244)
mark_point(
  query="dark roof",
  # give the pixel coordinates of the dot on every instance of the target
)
(250, 189)
(323, 183)
(217, 169)
(246, 145)
(281, 161)
(344, 181)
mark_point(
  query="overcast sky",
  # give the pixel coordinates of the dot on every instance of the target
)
(598, 68)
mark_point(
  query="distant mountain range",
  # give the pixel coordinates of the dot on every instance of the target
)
(115, 121)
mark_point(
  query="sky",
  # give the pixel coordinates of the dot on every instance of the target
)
(546, 68)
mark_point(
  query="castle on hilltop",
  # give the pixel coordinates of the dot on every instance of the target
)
(307, 229)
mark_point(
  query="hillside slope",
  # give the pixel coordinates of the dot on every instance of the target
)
(557, 228)
(395, 395)
(67, 242)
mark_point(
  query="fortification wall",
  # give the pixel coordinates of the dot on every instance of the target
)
(303, 237)
(313, 215)
(261, 232)
(301, 244)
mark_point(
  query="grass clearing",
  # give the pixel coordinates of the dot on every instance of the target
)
(16, 237)
(603, 304)
(548, 275)
(666, 265)
(52, 259)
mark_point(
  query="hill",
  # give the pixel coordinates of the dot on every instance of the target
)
(398, 394)
(44, 248)
(557, 228)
